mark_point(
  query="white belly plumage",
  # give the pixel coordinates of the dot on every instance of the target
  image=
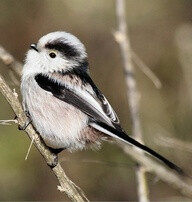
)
(59, 123)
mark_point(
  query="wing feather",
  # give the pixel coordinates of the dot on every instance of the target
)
(92, 89)
(80, 98)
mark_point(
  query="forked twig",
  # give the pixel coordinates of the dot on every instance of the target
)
(146, 70)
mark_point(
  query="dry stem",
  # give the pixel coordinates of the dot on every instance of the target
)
(10, 61)
(175, 143)
(146, 70)
(121, 37)
(184, 185)
(184, 44)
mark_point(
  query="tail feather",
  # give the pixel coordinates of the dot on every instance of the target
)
(125, 138)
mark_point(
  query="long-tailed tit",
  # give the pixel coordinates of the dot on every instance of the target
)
(65, 106)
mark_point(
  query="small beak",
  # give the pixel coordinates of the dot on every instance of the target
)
(34, 47)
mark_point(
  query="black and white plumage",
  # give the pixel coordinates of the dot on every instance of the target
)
(65, 106)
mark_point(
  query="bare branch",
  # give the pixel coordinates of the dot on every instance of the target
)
(146, 70)
(184, 44)
(29, 149)
(180, 183)
(51, 159)
(175, 143)
(10, 61)
(8, 122)
(122, 38)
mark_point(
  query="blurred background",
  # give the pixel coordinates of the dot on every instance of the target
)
(161, 35)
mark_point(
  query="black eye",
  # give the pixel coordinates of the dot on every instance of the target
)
(52, 55)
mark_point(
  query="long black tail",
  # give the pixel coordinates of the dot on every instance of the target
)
(125, 138)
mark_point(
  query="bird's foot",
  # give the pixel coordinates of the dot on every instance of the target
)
(26, 123)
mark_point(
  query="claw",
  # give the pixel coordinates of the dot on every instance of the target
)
(56, 151)
(26, 123)
(54, 163)
(28, 114)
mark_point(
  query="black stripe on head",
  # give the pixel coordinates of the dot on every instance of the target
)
(83, 66)
(66, 49)
(79, 70)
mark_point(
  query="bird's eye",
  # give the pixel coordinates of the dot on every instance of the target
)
(52, 55)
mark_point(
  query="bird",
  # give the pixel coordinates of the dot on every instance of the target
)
(64, 104)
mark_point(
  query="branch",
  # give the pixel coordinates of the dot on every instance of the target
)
(175, 143)
(10, 61)
(66, 185)
(8, 122)
(180, 183)
(184, 45)
(121, 37)
(146, 70)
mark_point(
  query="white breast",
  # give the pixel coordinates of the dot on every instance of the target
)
(58, 123)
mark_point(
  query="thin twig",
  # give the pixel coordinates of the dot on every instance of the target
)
(10, 61)
(121, 37)
(175, 143)
(8, 122)
(183, 41)
(50, 158)
(146, 70)
(29, 149)
(182, 184)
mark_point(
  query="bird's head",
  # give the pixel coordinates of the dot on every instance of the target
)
(56, 52)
